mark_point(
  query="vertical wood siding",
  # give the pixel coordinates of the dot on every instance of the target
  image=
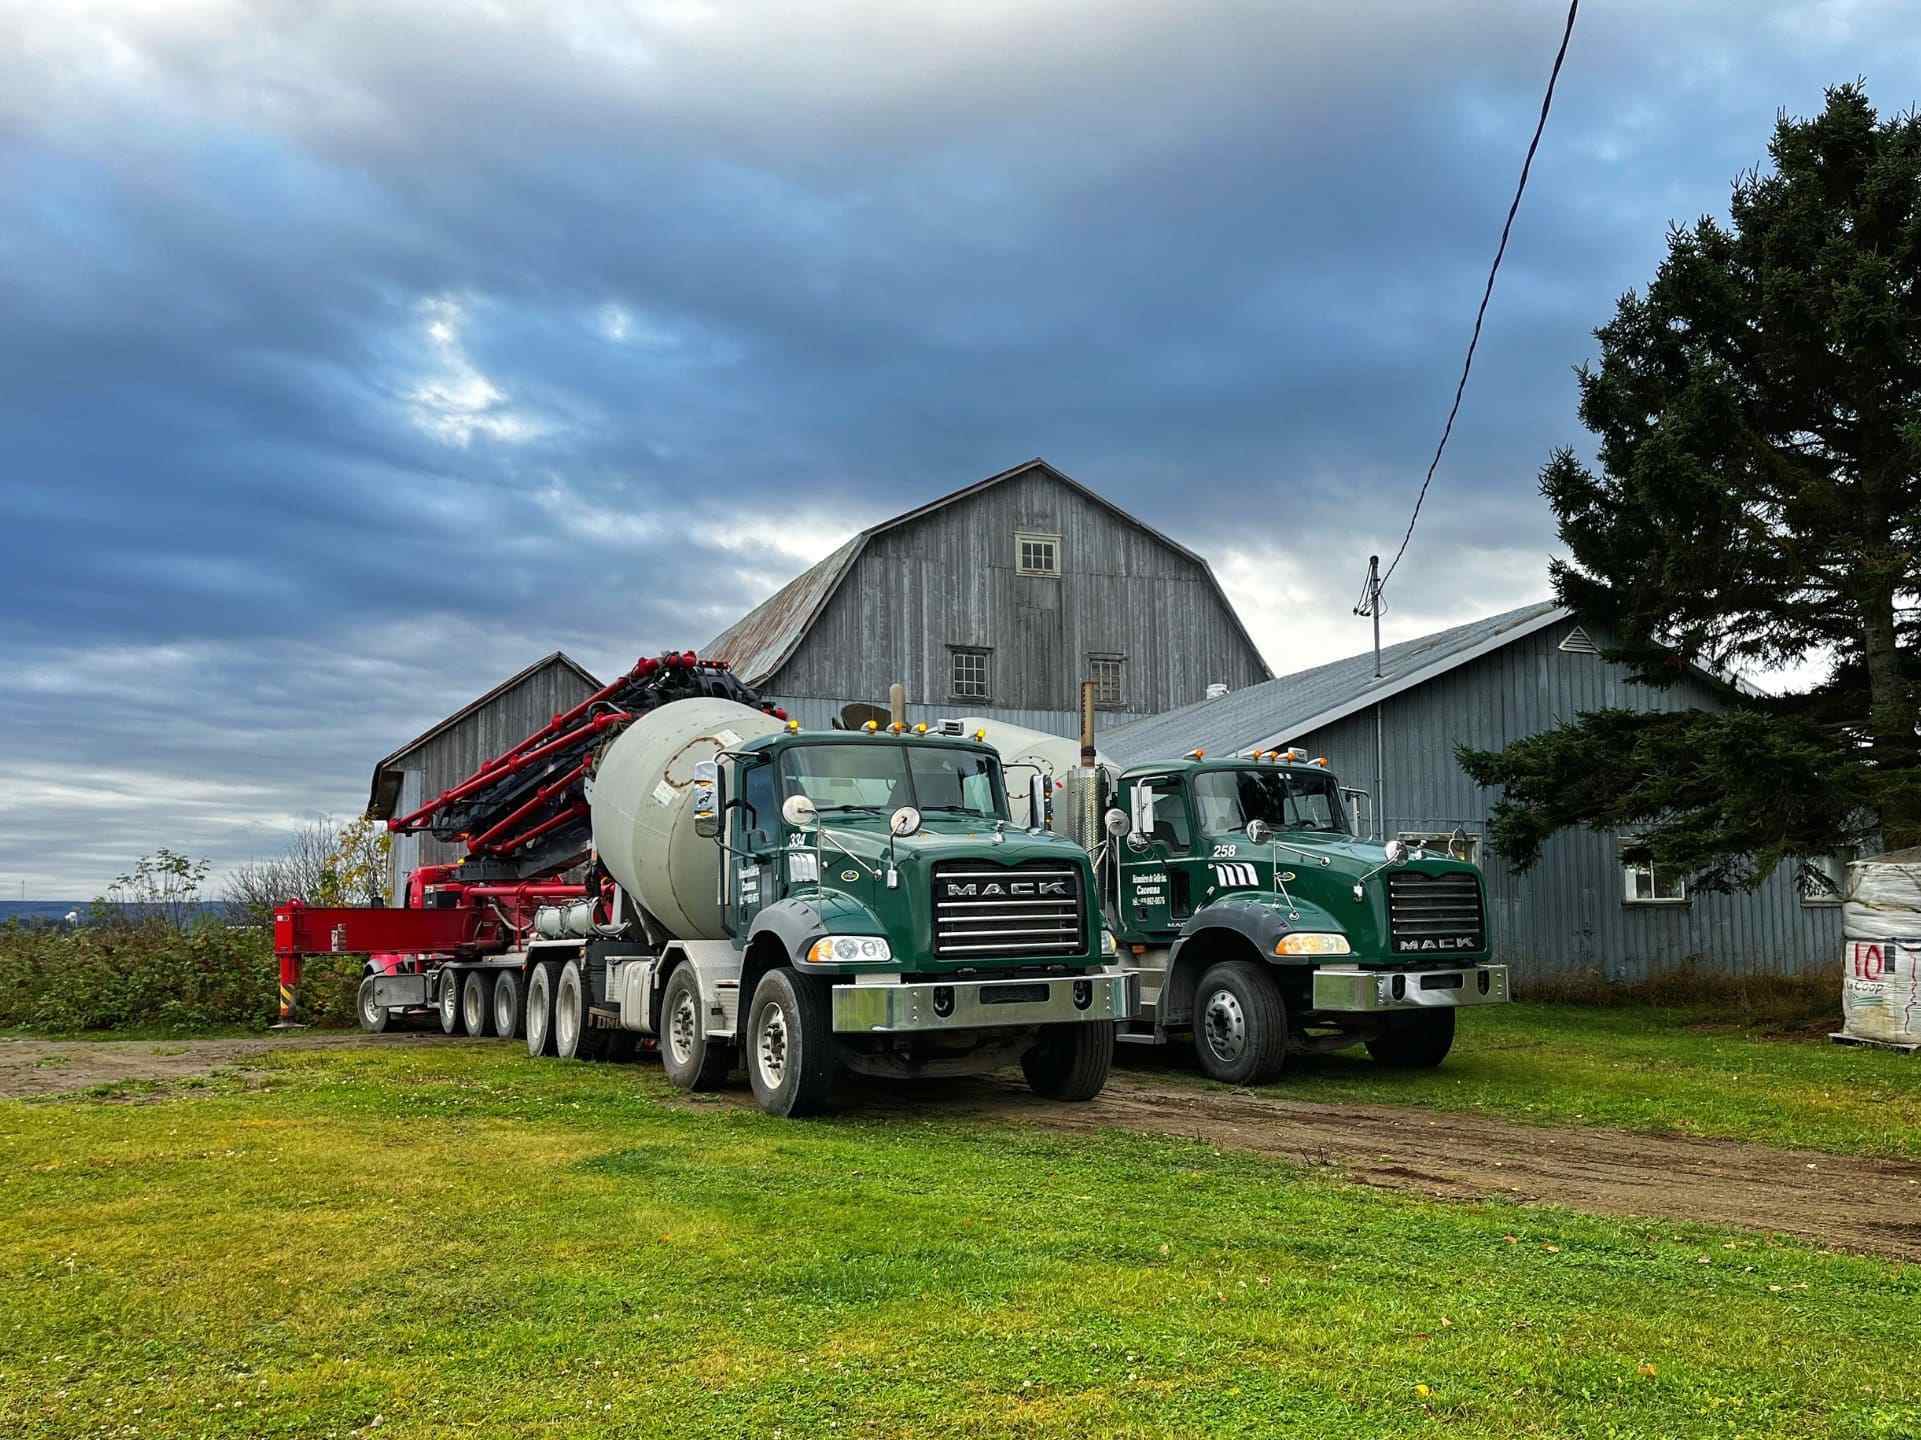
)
(949, 578)
(1566, 915)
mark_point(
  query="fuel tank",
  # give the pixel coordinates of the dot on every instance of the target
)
(642, 804)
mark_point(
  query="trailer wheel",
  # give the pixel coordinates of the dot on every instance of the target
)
(1414, 1040)
(1240, 1023)
(790, 1044)
(1070, 1062)
(691, 1060)
(375, 1018)
(507, 1005)
(570, 1014)
(450, 1001)
(540, 1007)
(476, 1010)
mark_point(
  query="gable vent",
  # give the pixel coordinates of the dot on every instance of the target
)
(1579, 642)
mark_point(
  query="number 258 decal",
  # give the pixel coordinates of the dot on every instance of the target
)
(1221, 852)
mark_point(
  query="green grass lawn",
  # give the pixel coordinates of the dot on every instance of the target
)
(1640, 1068)
(457, 1240)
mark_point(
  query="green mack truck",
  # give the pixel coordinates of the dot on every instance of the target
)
(811, 901)
(1265, 927)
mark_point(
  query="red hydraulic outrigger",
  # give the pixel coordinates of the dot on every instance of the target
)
(523, 820)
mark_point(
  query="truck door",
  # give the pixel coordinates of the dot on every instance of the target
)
(1156, 886)
(754, 837)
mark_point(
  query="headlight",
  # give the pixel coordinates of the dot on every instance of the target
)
(1109, 945)
(846, 949)
(1308, 943)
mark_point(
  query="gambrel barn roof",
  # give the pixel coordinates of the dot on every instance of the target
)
(763, 640)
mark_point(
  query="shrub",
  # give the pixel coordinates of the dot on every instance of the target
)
(116, 974)
(1807, 1001)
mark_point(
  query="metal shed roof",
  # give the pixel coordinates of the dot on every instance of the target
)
(1275, 711)
(762, 641)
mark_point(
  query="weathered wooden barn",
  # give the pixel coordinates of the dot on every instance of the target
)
(998, 599)
(453, 749)
(1586, 907)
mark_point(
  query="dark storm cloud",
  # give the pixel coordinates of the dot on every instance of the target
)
(357, 355)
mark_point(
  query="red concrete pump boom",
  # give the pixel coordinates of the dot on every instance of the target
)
(522, 818)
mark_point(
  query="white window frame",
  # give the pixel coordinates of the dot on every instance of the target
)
(955, 689)
(1024, 538)
(1838, 873)
(1435, 842)
(1119, 702)
(1631, 868)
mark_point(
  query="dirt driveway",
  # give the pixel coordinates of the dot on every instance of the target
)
(1836, 1201)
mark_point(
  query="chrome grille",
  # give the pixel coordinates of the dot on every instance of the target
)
(988, 911)
(1434, 914)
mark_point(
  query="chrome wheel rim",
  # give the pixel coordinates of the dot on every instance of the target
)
(471, 1010)
(449, 1001)
(503, 1009)
(680, 1034)
(370, 1009)
(770, 1045)
(566, 1024)
(1225, 1025)
(537, 1015)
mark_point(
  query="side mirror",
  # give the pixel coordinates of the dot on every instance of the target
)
(1396, 851)
(1040, 802)
(1258, 832)
(1141, 821)
(706, 799)
(799, 812)
(1115, 823)
(903, 822)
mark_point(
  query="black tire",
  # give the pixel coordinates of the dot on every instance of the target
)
(790, 1044)
(374, 1019)
(1414, 1040)
(476, 1004)
(540, 1007)
(1070, 1062)
(570, 1013)
(450, 1001)
(1240, 1023)
(691, 1060)
(507, 1008)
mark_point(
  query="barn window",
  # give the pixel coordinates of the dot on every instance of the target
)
(1109, 674)
(967, 673)
(1645, 883)
(1037, 554)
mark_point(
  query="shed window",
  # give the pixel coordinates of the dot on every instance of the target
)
(1646, 883)
(967, 674)
(1109, 674)
(1036, 554)
(1824, 879)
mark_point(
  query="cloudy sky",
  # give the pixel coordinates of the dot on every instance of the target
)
(356, 354)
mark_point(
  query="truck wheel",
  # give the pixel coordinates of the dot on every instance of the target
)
(540, 1007)
(1240, 1023)
(506, 1004)
(790, 1044)
(1414, 1040)
(476, 1009)
(449, 1001)
(374, 1017)
(570, 1013)
(1070, 1062)
(691, 1060)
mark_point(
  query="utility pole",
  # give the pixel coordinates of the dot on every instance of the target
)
(1374, 606)
(1371, 605)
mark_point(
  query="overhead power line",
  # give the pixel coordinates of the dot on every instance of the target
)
(1480, 315)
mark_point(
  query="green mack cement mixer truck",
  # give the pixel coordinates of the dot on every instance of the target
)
(1263, 926)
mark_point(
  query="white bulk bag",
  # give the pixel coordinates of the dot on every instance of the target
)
(1881, 955)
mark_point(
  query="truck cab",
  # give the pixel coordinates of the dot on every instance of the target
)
(884, 914)
(1264, 926)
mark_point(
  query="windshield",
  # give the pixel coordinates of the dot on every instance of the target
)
(1284, 799)
(882, 778)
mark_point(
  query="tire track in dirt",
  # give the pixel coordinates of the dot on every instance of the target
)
(1838, 1202)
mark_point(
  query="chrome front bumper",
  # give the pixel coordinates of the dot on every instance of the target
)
(1348, 988)
(986, 1004)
